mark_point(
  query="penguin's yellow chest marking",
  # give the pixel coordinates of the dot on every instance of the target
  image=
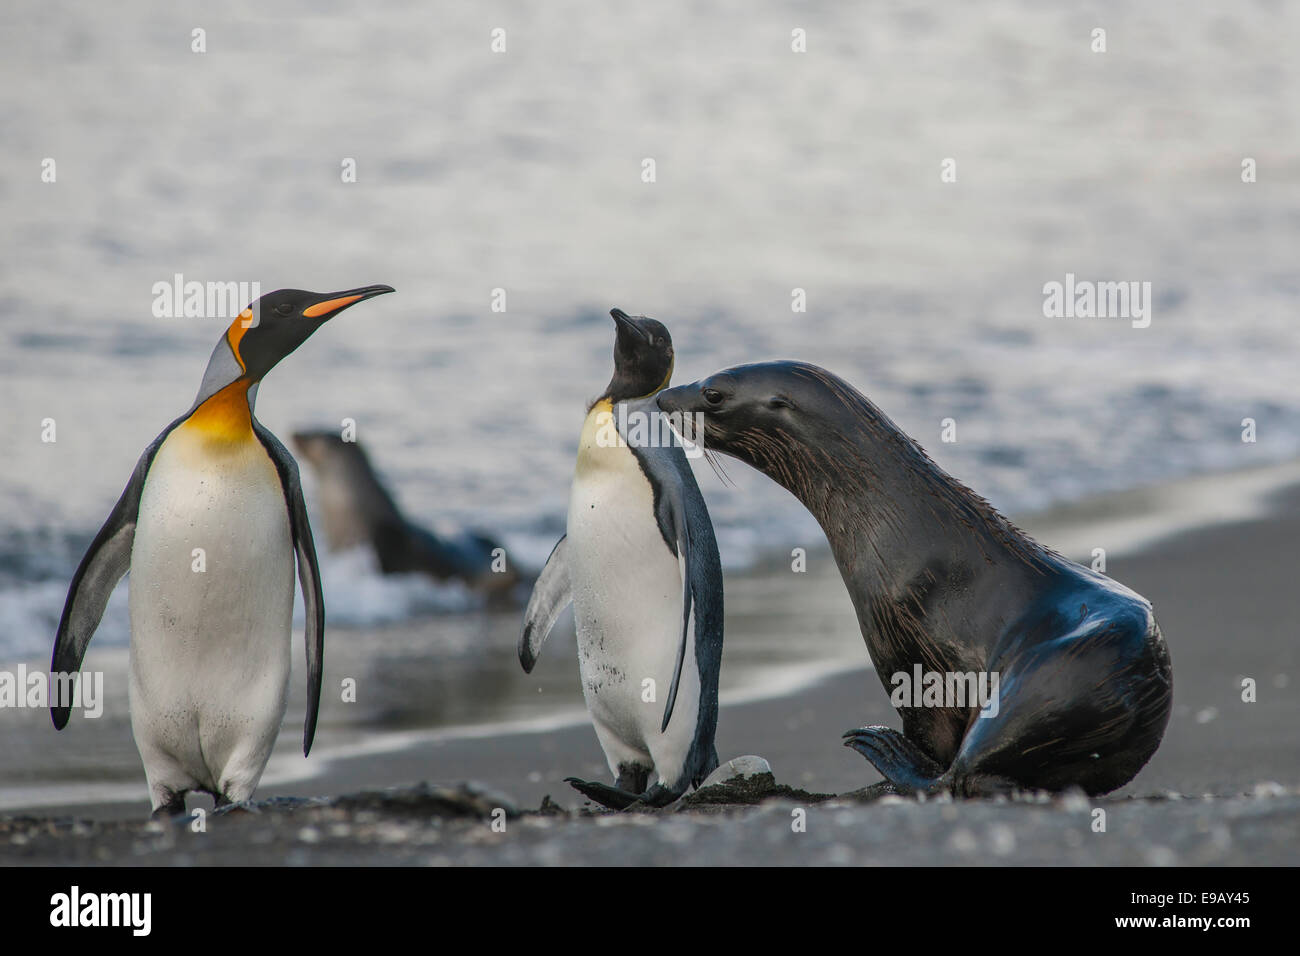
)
(601, 447)
(225, 417)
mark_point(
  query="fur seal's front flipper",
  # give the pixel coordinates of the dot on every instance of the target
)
(909, 770)
(905, 765)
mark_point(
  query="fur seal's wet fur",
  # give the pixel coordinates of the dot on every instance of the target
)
(941, 579)
(358, 510)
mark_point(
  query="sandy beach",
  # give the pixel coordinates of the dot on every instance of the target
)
(900, 195)
(1224, 788)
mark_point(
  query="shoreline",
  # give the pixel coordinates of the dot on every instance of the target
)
(528, 754)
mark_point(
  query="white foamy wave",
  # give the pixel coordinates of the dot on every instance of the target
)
(928, 298)
(359, 595)
(29, 619)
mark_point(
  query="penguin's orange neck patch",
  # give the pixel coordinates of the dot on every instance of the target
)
(243, 322)
(225, 416)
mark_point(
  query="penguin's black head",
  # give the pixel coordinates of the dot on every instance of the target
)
(280, 321)
(643, 357)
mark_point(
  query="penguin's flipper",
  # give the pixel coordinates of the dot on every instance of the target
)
(308, 574)
(669, 472)
(105, 562)
(685, 562)
(551, 595)
(671, 509)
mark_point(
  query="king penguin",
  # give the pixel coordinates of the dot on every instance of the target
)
(209, 526)
(640, 565)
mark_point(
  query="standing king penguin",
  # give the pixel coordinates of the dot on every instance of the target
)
(209, 526)
(640, 565)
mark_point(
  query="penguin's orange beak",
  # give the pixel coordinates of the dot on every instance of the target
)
(325, 308)
(341, 300)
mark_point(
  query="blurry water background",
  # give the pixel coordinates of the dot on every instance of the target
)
(521, 170)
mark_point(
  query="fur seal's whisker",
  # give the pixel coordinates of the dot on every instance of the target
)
(716, 464)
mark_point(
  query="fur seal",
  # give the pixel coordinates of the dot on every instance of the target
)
(356, 510)
(942, 581)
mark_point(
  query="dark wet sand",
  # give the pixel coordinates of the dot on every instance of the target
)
(1227, 600)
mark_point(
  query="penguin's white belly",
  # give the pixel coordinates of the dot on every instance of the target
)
(627, 603)
(211, 598)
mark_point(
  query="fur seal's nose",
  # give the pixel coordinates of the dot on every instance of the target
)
(672, 399)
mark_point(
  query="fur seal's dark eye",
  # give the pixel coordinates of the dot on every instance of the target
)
(659, 342)
(779, 401)
(713, 396)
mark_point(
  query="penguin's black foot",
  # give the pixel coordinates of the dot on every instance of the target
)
(632, 779)
(906, 766)
(610, 797)
(224, 806)
(173, 807)
(661, 796)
